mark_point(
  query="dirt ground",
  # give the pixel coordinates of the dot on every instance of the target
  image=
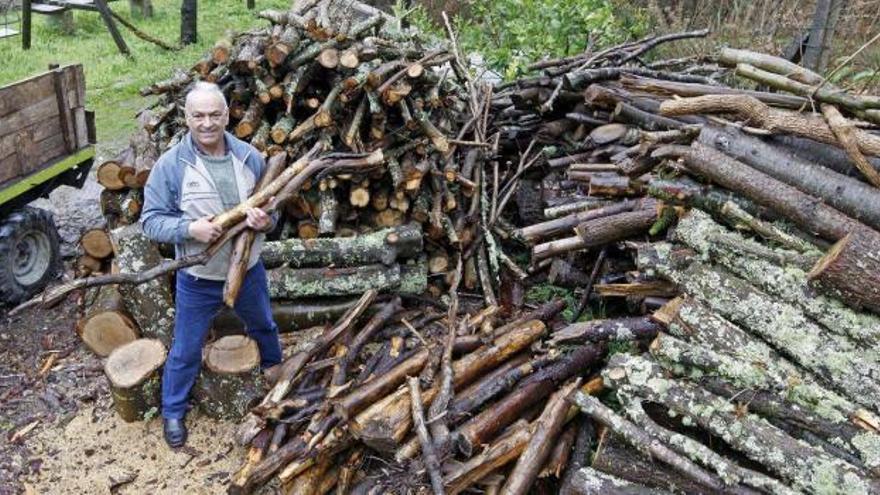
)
(60, 435)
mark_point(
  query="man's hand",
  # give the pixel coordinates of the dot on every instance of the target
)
(203, 230)
(258, 220)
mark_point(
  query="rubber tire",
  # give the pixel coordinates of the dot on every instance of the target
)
(15, 227)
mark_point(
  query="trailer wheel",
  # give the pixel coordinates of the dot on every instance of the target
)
(30, 254)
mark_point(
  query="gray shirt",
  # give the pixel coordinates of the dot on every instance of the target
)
(223, 175)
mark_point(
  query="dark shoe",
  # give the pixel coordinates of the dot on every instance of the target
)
(175, 432)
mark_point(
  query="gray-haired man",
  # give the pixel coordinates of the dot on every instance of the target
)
(208, 172)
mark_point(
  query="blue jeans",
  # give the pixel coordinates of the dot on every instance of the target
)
(197, 303)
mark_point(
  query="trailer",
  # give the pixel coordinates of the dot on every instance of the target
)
(46, 140)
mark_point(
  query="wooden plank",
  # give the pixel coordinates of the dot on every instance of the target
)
(67, 129)
(21, 94)
(36, 112)
(50, 149)
(38, 131)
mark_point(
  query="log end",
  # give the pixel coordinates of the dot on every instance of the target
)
(130, 364)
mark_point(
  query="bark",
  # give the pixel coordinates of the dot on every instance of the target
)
(788, 283)
(729, 471)
(599, 231)
(564, 274)
(853, 197)
(849, 270)
(798, 207)
(846, 134)
(836, 360)
(671, 88)
(383, 246)
(150, 304)
(649, 288)
(618, 459)
(546, 428)
(642, 441)
(353, 349)
(292, 315)
(744, 360)
(106, 325)
(481, 428)
(289, 283)
(432, 464)
(133, 372)
(551, 228)
(827, 156)
(379, 386)
(617, 329)
(560, 454)
(230, 382)
(771, 119)
(586, 433)
(588, 481)
(794, 461)
(505, 449)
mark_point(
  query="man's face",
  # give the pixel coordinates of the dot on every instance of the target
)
(206, 118)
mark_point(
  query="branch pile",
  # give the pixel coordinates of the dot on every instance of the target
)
(727, 238)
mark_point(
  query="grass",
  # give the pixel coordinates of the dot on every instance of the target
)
(113, 80)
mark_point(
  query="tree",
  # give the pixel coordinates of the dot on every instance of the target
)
(188, 19)
(821, 35)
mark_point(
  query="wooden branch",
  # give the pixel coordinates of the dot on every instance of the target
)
(432, 464)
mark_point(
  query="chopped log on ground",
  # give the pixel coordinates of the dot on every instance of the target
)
(134, 374)
(106, 324)
(230, 382)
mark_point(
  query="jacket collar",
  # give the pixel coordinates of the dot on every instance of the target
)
(234, 145)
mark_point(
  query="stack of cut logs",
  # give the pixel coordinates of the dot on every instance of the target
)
(727, 237)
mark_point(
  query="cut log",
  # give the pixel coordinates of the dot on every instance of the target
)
(230, 382)
(547, 427)
(640, 439)
(588, 481)
(616, 329)
(133, 372)
(290, 283)
(853, 197)
(550, 228)
(772, 119)
(849, 270)
(731, 472)
(798, 207)
(600, 231)
(737, 356)
(836, 360)
(106, 324)
(96, 243)
(794, 461)
(384, 424)
(383, 246)
(530, 391)
(789, 283)
(505, 449)
(150, 304)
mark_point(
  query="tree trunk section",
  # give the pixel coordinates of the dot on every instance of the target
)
(851, 270)
(134, 374)
(188, 22)
(231, 381)
(106, 325)
(150, 304)
(383, 246)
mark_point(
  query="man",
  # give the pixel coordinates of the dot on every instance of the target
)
(208, 172)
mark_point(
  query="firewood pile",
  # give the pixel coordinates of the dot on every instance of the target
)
(724, 238)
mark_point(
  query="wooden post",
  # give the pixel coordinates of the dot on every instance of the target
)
(188, 22)
(251, 4)
(111, 26)
(26, 24)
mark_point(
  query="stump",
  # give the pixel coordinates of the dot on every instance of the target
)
(133, 371)
(106, 324)
(230, 382)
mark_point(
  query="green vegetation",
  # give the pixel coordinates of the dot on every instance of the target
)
(541, 293)
(511, 34)
(112, 80)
